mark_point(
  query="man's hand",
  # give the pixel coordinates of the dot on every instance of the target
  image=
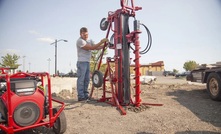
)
(104, 40)
(97, 46)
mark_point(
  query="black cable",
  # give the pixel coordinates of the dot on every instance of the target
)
(149, 43)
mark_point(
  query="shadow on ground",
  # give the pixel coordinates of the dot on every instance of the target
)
(197, 132)
(199, 103)
(39, 130)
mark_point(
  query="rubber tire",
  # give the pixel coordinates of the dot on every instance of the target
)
(104, 26)
(100, 78)
(217, 78)
(60, 125)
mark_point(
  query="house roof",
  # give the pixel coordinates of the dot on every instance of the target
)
(158, 63)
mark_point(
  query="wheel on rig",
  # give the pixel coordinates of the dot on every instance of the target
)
(97, 78)
(104, 24)
(214, 86)
(60, 125)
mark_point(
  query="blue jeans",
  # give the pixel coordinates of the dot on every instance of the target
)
(83, 74)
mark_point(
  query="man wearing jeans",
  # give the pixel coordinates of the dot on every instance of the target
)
(84, 47)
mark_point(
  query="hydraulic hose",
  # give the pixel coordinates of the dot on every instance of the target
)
(149, 43)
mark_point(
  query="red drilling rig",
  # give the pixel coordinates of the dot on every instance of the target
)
(118, 67)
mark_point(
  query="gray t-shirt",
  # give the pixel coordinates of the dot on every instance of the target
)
(83, 55)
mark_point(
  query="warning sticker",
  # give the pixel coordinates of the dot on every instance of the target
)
(119, 46)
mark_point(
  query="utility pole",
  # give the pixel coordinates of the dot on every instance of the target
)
(29, 69)
(55, 44)
(24, 63)
(49, 60)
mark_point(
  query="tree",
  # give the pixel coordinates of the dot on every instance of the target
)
(175, 71)
(10, 61)
(71, 71)
(190, 65)
(95, 59)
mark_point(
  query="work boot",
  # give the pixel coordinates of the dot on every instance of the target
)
(81, 99)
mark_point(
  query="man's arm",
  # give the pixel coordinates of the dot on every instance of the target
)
(100, 47)
(96, 46)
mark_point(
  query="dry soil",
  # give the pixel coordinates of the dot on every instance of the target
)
(187, 109)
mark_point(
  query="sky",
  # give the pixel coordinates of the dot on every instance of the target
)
(182, 30)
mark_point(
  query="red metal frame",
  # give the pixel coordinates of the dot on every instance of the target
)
(10, 127)
(115, 77)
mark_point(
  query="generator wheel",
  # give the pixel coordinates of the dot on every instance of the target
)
(97, 78)
(214, 86)
(60, 125)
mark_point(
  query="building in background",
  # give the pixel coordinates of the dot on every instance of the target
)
(155, 69)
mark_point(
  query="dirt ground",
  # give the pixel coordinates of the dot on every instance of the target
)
(187, 109)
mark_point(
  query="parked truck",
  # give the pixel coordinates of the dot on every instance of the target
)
(211, 75)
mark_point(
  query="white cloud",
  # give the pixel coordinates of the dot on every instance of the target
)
(34, 32)
(41, 39)
(46, 39)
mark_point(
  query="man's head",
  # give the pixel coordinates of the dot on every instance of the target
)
(84, 33)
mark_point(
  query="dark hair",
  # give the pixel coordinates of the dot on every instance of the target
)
(83, 29)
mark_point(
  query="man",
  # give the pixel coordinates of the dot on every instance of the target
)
(84, 47)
